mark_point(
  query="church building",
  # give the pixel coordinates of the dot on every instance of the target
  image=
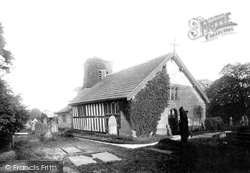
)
(96, 107)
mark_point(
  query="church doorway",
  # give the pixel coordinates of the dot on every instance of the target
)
(173, 121)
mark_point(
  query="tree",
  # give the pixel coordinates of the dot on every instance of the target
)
(230, 94)
(13, 114)
(5, 55)
(35, 113)
(205, 84)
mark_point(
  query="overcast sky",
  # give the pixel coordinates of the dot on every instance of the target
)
(51, 39)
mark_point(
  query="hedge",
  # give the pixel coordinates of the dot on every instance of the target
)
(214, 123)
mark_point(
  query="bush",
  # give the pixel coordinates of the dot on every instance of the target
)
(243, 129)
(8, 156)
(214, 123)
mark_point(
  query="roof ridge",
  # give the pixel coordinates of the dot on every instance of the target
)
(139, 64)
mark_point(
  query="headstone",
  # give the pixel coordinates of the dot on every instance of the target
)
(231, 122)
(45, 121)
(28, 124)
(245, 120)
(169, 131)
(112, 125)
(134, 134)
(55, 119)
(47, 135)
(54, 127)
(33, 125)
(20, 136)
(39, 128)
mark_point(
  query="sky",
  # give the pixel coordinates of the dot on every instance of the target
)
(51, 39)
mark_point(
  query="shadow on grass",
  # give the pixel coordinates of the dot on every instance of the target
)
(208, 155)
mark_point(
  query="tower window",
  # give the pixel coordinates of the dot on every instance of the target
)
(102, 74)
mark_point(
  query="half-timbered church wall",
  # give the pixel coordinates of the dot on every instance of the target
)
(94, 116)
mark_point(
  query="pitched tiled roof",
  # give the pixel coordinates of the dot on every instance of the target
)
(64, 110)
(128, 82)
(119, 85)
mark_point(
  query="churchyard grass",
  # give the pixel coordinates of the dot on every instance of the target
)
(117, 139)
(198, 155)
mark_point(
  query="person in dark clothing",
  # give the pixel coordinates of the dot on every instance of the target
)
(183, 125)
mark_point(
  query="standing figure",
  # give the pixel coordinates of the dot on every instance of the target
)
(183, 125)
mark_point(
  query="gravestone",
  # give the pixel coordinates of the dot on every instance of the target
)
(112, 125)
(169, 131)
(45, 121)
(134, 134)
(20, 136)
(54, 127)
(33, 125)
(38, 128)
(245, 120)
(47, 134)
(28, 124)
(231, 122)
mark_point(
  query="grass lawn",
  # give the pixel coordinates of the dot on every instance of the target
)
(117, 139)
(198, 155)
